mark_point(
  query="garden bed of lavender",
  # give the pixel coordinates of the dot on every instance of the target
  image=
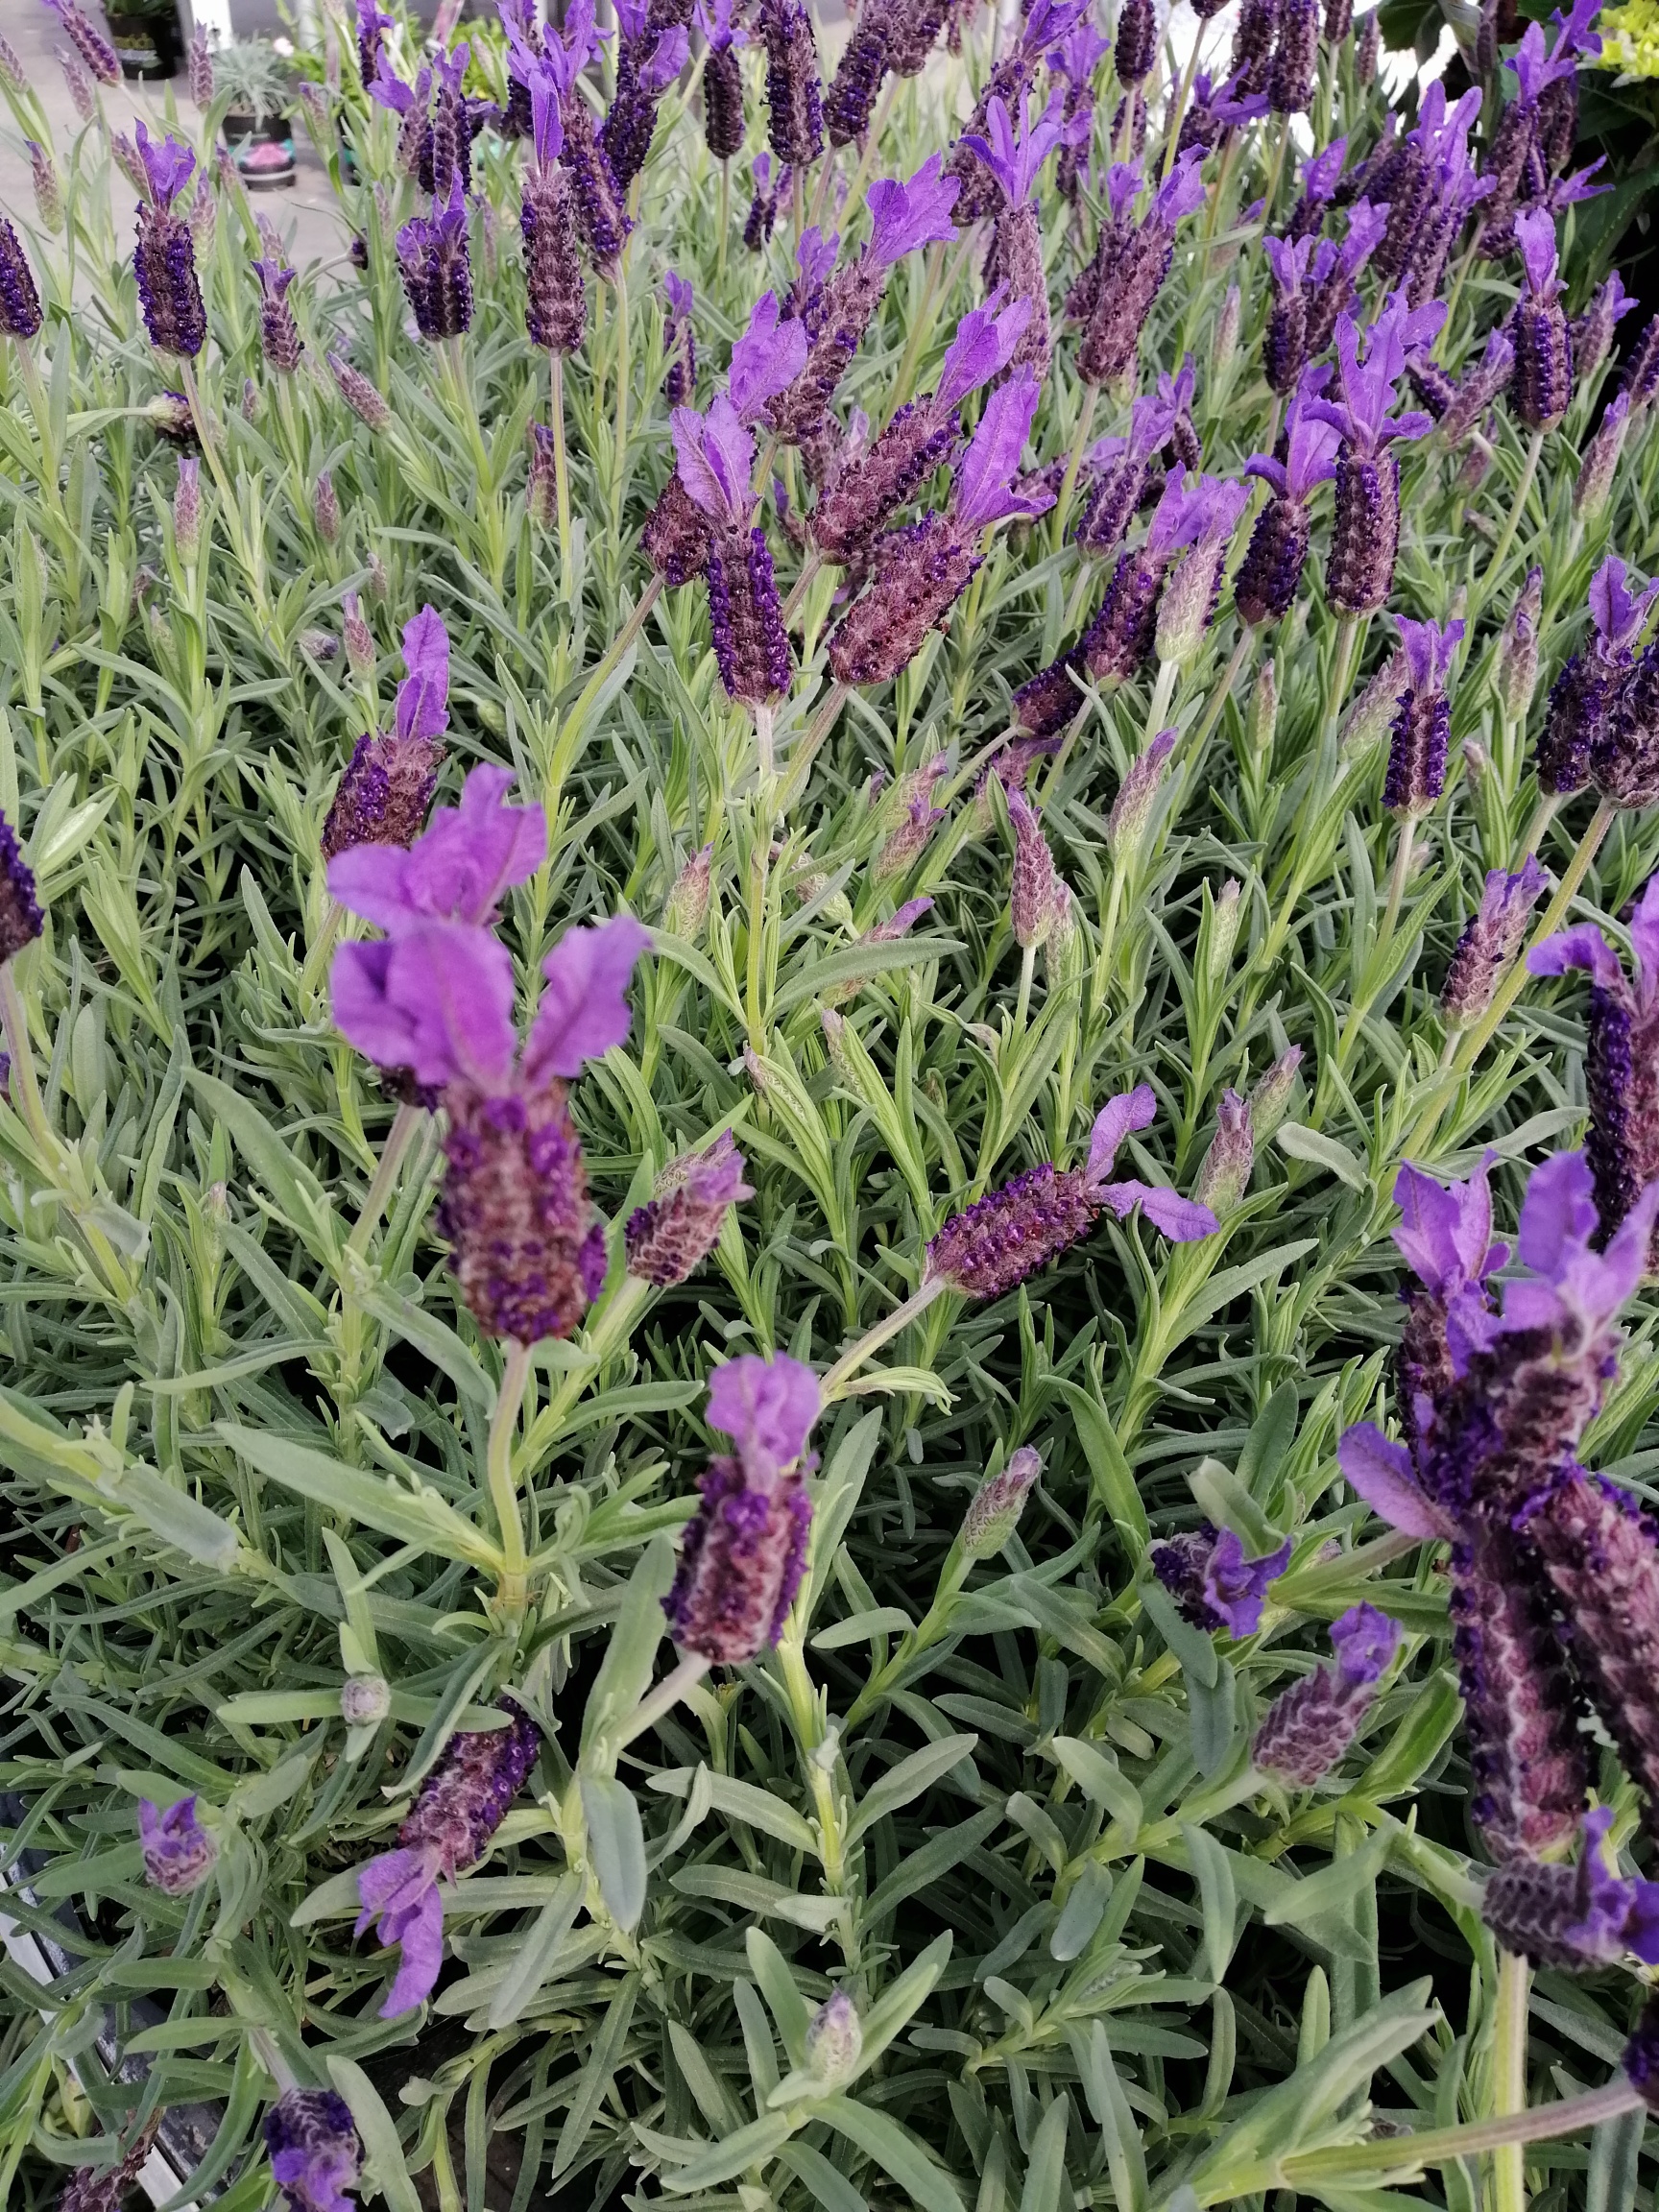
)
(830, 1129)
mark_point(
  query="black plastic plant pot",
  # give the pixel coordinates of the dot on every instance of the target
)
(255, 147)
(151, 46)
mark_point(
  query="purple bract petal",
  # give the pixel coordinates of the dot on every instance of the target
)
(584, 1010)
(767, 1407)
(907, 215)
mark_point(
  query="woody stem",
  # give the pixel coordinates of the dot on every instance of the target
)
(514, 1586)
(1073, 461)
(883, 1331)
(1509, 2079)
(560, 477)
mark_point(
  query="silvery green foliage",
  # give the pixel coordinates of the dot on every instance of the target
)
(998, 1797)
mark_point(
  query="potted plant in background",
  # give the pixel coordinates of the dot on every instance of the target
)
(253, 81)
(147, 37)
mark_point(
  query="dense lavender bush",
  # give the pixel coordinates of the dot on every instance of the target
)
(830, 1130)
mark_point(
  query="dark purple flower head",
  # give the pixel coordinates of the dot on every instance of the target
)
(21, 919)
(280, 338)
(680, 1225)
(716, 459)
(19, 301)
(88, 41)
(1214, 1584)
(179, 1852)
(1573, 1917)
(1308, 1727)
(1188, 606)
(316, 2156)
(904, 216)
(1014, 158)
(1489, 942)
(1365, 1641)
(1035, 887)
(1592, 332)
(765, 360)
(432, 255)
(984, 491)
(461, 1803)
(383, 794)
(458, 871)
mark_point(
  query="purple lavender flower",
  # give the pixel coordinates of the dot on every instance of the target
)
(1295, 55)
(1120, 637)
(1368, 45)
(1015, 161)
(21, 919)
(1137, 42)
(1585, 732)
(1573, 1916)
(1217, 108)
(1225, 1175)
(1490, 941)
(676, 1230)
(359, 394)
(1116, 473)
(1592, 334)
(1602, 458)
(743, 1553)
(1284, 351)
(745, 614)
(722, 79)
(1010, 1233)
(88, 41)
(1308, 1727)
(316, 2156)
(1542, 382)
(1365, 535)
(437, 999)
(769, 356)
(459, 871)
(679, 343)
(1513, 140)
(19, 301)
(1416, 773)
(164, 259)
(648, 62)
(107, 2188)
(1251, 61)
(857, 77)
(432, 257)
(794, 102)
(1621, 1059)
(871, 487)
(461, 1803)
(279, 339)
(1075, 60)
(1116, 294)
(1187, 608)
(919, 572)
(179, 1852)
(685, 908)
(1214, 1586)
(1264, 588)
(1035, 887)
(1138, 797)
(602, 222)
(1335, 272)
(762, 205)
(1321, 174)
(388, 785)
(1458, 406)
(555, 303)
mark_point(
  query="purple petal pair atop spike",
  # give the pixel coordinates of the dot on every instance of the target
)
(716, 456)
(1597, 721)
(1010, 1233)
(315, 2151)
(461, 1803)
(1573, 1917)
(1214, 1584)
(388, 784)
(1416, 774)
(1365, 535)
(744, 1551)
(675, 1230)
(164, 259)
(180, 1854)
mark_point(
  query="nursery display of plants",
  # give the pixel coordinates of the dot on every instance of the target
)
(830, 1143)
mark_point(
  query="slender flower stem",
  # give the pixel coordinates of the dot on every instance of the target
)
(668, 1694)
(404, 1123)
(1509, 2079)
(1439, 2146)
(1028, 968)
(1398, 874)
(514, 1589)
(725, 219)
(799, 196)
(20, 1076)
(1178, 105)
(1073, 461)
(1162, 691)
(562, 481)
(804, 584)
(619, 453)
(1221, 692)
(873, 1340)
(921, 327)
(1543, 814)
(615, 651)
(764, 751)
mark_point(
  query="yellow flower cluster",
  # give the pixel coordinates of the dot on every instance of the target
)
(1630, 37)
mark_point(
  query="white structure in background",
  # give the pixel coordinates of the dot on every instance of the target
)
(214, 17)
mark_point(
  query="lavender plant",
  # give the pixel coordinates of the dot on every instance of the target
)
(781, 983)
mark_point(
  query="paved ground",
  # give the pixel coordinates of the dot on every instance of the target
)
(304, 211)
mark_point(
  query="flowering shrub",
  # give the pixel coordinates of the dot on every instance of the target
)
(831, 1129)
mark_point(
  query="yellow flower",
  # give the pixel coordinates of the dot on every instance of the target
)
(1630, 37)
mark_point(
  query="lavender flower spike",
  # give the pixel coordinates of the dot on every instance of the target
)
(179, 1852)
(461, 1803)
(679, 343)
(279, 339)
(1365, 535)
(1416, 773)
(21, 919)
(457, 872)
(745, 615)
(994, 1512)
(1264, 588)
(1588, 726)
(1308, 1727)
(1573, 1916)
(164, 259)
(1489, 942)
(1034, 896)
(315, 2151)
(765, 360)
(794, 89)
(1188, 606)
(676, 1230)
(1621, 1058)
(1012, 1231)
(432, 258)
(19, 301)
(1214, 1586)
(388, 781)
(88, 41)
(1542, 382)
(743, 1553)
